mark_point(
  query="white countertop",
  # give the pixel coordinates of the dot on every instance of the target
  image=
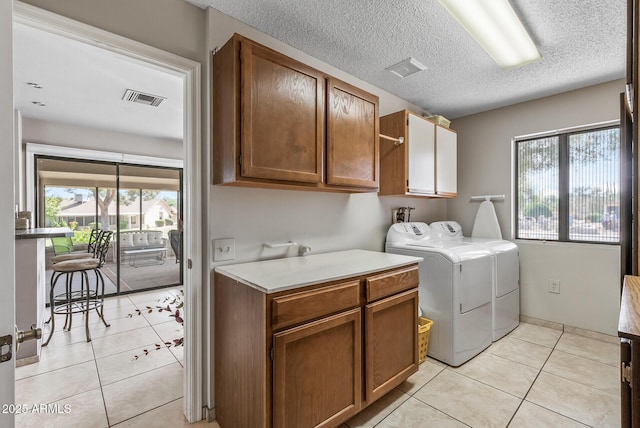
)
(270, 276)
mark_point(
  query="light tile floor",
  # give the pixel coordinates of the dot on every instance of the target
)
(99, 383)
(534, 377)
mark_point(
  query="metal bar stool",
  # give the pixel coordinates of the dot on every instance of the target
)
(85, 299)
(92, 247)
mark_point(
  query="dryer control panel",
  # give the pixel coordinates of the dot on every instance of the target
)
(445, 229)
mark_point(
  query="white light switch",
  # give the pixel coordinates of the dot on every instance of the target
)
(224, 249)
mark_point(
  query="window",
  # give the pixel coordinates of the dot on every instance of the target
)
(568, 186)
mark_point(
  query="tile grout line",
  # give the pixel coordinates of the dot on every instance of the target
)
(146, 411)
(498, 389)
(95, 365)
(138, 374)
(393, 410)
(533, 383)
(104, 401)
(429, 405)
(539, 370)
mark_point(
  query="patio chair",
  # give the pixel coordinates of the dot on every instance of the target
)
(62, 245)
(175, 239)
(71, 254)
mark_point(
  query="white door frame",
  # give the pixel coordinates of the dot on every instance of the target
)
(192, 187)
(7, 187)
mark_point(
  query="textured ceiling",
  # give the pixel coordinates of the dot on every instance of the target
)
(582, 43)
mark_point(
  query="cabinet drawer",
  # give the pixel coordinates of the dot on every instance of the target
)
(389, 283)
(307, 305)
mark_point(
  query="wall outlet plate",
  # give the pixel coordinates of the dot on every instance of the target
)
(224, 249)
(554, 286)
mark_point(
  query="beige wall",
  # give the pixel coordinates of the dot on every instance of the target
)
(589, 275)
(66, 135)
(171, 25)
(324, 221)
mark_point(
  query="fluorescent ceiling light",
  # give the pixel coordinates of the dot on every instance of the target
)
(496, 27)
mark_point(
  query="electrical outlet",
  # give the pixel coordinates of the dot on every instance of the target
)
(224, 249)
(554, 286)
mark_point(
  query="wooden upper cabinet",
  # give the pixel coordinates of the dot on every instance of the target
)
(352, 136)
(280, 123)
(424, 165)
(282, 113)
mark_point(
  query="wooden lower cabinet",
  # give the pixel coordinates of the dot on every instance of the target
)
(391, 343)
(316, 372)
(276, 368)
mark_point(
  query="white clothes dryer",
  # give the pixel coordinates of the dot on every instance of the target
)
(454, 291)
(505, 272)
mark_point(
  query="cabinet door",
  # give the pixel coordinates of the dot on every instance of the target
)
(446, 162)
(317, 372)
(391, 342)
(282, 110)
(352, 136)
(421, 145)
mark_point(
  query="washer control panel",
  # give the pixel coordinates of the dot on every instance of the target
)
(403, 232)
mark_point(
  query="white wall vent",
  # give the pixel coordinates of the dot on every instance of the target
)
(142, 98)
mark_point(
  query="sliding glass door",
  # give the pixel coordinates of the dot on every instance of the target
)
(148, 213)
(142, 204)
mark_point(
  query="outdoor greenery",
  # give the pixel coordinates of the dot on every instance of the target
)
(54, 204)
(594, 217)
(51, 210)
(536, 210)
(81, 236)
(569, 178)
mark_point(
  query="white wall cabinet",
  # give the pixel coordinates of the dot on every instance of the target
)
(446, 162)
(425, 165)
(421, 165)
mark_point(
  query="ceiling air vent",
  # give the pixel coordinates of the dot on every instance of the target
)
(406, 68)
(142, 98)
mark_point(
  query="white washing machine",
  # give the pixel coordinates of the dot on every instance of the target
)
(506, 275)
(454, 291)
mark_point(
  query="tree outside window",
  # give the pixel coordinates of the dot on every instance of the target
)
(568, 186)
